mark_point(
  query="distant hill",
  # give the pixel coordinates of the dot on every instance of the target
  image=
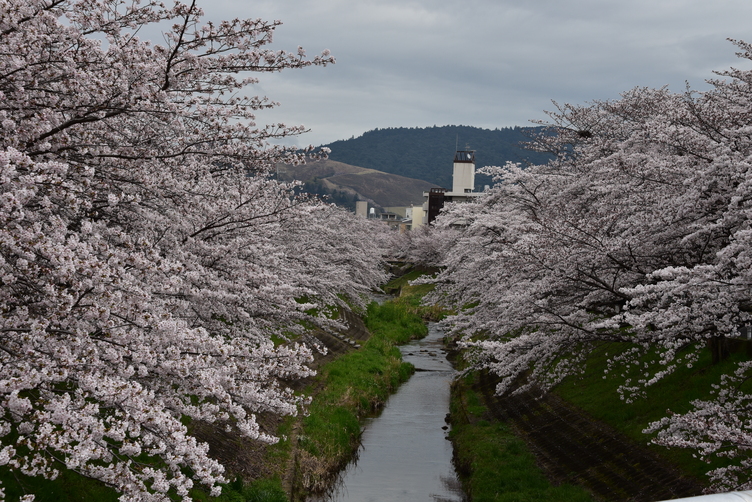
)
(427, 153)
(344, 183)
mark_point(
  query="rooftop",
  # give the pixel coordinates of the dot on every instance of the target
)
(465, 156)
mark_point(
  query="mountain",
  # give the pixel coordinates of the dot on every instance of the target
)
(344, 183)
(428, 153)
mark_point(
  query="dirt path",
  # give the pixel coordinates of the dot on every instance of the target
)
(572, 447)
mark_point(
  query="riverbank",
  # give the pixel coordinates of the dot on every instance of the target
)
(578, 443)
(493, 461)
(360, 368)
(558, 447)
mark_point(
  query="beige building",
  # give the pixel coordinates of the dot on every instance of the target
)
(400, 210)
(361, 208)
(418, 216)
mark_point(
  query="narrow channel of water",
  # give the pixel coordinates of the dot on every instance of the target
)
(406, 456)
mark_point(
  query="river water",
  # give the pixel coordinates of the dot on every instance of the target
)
(405, 455)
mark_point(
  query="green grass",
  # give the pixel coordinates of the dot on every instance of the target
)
(598, 397)
(68, 487)
(263, 490)
(411, 296)
(492, 462)
(393, 321)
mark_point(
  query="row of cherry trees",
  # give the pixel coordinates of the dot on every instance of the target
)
(147, 259)
(637, 231)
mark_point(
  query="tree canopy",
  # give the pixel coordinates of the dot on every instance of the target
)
(150, 269)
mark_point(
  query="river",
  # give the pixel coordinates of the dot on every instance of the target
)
(405, 455)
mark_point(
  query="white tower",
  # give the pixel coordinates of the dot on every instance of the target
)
(463, 178)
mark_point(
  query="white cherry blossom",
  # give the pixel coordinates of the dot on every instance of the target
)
(150, 267)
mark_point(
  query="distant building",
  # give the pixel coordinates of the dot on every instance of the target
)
(434, 202)
(361, 208)
(418, 217)
(463, 175)
(400, 210)
(409, 217)
(387, 216)
(394, 220)
(463, 185)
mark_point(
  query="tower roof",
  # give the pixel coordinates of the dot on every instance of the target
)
(465, 156)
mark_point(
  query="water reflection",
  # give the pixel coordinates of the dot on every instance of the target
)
(405, 454)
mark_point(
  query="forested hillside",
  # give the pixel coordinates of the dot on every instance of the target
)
(427, 153)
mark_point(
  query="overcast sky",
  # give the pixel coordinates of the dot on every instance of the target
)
(484, 63)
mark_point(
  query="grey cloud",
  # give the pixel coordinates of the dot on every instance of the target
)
(488, 63)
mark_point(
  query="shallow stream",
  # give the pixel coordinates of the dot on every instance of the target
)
(405, 455)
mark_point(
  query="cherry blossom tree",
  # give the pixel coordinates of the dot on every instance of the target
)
(636, 232)
(147, 259)
(424, 245)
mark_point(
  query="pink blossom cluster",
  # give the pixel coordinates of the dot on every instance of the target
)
(637, 231)
(149, 263)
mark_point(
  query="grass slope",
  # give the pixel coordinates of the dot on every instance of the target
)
(495, 465)
(596, 394)
(492, 462)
